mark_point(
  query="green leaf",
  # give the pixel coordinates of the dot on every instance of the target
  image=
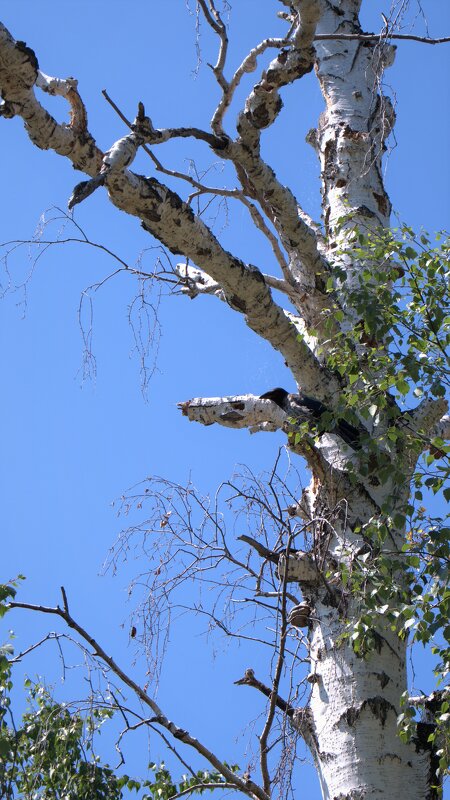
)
(402, 386)
(410, 253)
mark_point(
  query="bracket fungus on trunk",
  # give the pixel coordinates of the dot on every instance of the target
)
(300, 615)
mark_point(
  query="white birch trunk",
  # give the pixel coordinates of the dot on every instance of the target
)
(351, 723)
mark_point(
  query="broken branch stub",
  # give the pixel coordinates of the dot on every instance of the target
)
(301, 567)
(239, 411)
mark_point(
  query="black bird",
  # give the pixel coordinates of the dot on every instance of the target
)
(309, 409)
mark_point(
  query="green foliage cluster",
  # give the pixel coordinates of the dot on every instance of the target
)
(400, 300)
(164, 787)
(50, 755)
(397, 349)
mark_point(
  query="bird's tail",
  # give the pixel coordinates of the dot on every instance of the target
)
(349, 434)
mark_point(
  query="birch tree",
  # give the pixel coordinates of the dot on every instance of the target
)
(351, 594)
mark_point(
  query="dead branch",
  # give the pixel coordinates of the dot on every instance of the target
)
(263, 551)
(249, 679)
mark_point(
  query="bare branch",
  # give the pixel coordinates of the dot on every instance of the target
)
(214, 19)
(258, 219)
(263, 551)
(165, 215)
(247, 787)
(18, 75)
(263, 104)
(307, 268)
(198, 787)
(380, 37)
(248, 65)
(20, 656)
(65, 602)
(67, 88)
(273, 697)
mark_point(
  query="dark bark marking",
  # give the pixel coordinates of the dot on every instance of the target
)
(377, 705)
(152, 215)
(237, 303)
(262, 116)
(231, 416)
(150, 188)
(175, 201)
(421, 743)
(383, 678)
(330, 156)
(363, 211)
(392, 756)
(380, 707)
(204, 251)
(382, 203)
(31, 57)
(349, 133)
(351, 715)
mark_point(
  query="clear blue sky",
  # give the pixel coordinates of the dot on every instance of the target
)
(69, 448)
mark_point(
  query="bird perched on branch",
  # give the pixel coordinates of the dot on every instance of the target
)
(308, 409)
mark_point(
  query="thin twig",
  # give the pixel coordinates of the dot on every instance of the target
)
(199, 787)
(263, 739)
(23, 653)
